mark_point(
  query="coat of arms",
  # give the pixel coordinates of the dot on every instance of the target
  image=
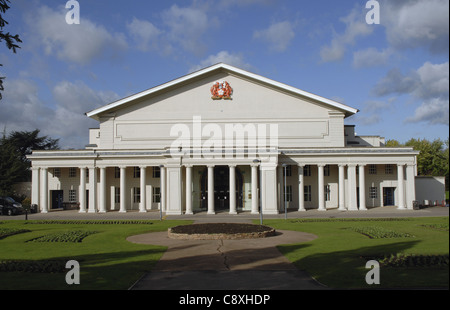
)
(221, 90)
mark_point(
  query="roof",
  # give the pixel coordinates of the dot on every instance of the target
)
(221, 66)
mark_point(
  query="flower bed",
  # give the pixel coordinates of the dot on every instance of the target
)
(216, 231)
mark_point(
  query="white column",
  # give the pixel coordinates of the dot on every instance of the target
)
(342, 188)
(35, 186)
(102, 195)
(401, 187)
(92, 190)
(232, 189)
(82, 193)
(44, 190)
(123, 189)
(351, 172)
(410, 186)
(162, 179)
(301, 189)
(255, 193)
(280, 187)
(211, 209)
(189, 190)
(362, 188)
(321, 187)
(143, 181)
(174, 192)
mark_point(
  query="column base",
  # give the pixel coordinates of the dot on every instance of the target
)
(401, 208)
(189, 213)
(142, 211)
(321, 209)
(302, 210)
(233, 212)
(81, 211)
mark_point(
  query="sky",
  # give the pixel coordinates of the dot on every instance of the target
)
(396, 72)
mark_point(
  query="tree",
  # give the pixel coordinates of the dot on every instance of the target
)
(10, 40)
(14, 165)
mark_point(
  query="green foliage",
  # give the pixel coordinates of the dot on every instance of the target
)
(5, 232)
(379, 232)
(47, 266)
(412, 260)
(92, 222)
(68, 236)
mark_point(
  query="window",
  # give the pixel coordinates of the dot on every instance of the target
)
(136, 172)
(388, 169)
(136, 194)
(327, 193)
(307, 194)
(57, 172)
(287, 190)
(373, 192)
(326, 170)
(72, 195)
(157, 194)
(288, 170)
(117, 194)
(72, 172)
(307, 171)
(156, 172)
(117, 172)
(372, 169)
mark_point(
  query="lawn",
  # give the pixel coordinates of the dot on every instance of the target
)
(107, 261)
(336, 258)
(413, 252)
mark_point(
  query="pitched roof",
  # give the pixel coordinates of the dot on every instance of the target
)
(221, 66)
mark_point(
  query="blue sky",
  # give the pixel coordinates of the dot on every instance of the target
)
(396, 72)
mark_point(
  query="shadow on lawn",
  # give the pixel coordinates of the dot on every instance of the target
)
(347, 269)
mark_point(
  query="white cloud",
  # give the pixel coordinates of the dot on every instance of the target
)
(236, 60)
(145, 34)
(278, 35)
(23, 110)
(187, 27)
(76, 43)
(371, 57)
(417, 23)
(355, 26)
(429, 85)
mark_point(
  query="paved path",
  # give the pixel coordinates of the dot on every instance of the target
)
(225, 264)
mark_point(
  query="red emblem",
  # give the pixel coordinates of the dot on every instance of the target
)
(221, 90)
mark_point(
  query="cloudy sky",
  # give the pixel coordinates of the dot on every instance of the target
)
(396, 72)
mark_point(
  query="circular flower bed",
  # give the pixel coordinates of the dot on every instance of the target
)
(215, 231)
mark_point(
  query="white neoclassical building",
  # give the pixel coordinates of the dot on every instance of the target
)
(222, 139)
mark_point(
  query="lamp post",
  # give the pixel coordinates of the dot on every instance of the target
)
(285, 192)
(258, 161)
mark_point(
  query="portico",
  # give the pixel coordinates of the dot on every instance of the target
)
(176, 149)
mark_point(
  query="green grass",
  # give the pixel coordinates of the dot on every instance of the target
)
(337, 258)
(107, 260)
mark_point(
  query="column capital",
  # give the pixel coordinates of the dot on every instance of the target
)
(142, 167)
(362, 165)
(188, 165)
(321, 165)
(301, 165)
(342, 165)
(232, 166)
(210, 166)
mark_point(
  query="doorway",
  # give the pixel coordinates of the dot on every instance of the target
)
(221, 189)
(56, 199)
(388, 196)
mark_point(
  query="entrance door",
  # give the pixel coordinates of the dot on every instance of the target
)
(221, 189)
(388, 196)
(57, 199)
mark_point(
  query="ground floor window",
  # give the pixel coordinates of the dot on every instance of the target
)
(287, 193)
(117, 194)
(136, 194)
(327, 193)
(373, 192)
(157, 195)
(307, 194)
(72, 195)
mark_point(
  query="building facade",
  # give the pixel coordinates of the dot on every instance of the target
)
(222, 139)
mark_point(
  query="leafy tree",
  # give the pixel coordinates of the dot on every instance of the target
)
(10, 40)
(14, 165)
